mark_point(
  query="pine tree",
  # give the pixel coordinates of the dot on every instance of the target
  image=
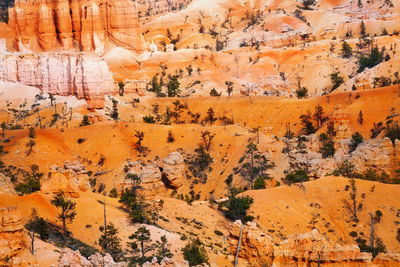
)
(112, 242)
(173, 86)
(163, 250)
(347, 51)
(141, 245)
(67, 212)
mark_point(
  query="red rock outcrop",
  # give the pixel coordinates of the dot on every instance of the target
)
(309, 248)
(298, 250)
(256, 246)
(87, 25)
(13, 249)
(84, 75)
(73, 258)
(341, 123)
(387, 259)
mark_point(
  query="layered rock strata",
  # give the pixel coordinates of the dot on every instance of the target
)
(83, 75)
(84, 25)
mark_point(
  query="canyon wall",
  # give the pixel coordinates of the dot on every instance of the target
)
(13, 248)
(83, 25)
(84, 75)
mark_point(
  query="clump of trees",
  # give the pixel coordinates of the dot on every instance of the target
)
(31, 181)
(236, 207)
(297, 176)
(370, 60)
(195, 253)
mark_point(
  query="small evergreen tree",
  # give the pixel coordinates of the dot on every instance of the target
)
(195, 253)
(163, 249)
(112, 243)
(235, 208)
(356, 139)
(210, 116)
(140, 136)
(170, 138)
(259, 183)
(353, 196)
(336, 79)
(392, 131)
(36, 225)
(302, 93)
(85, 121)
(141, 245)
(173, 86)
(229, 87)
(67, 209)
(347, 51)
(114, 112)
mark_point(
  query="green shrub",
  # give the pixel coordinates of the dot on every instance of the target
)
(235, 208)
(259, 183)
(370, 60)
(149, 119)
(195, 253)
(299, 175)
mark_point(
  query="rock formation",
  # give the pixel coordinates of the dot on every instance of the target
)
(341, 123)
(256, 246)
(156, 177)
(6, 187)
(387, 259)
(45, 25)
(73, 258)
(71, 179)
(298, 250)
(309, 248)
(172, 170)
(84, 75)
(13, 249)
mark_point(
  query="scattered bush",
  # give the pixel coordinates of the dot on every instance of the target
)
(298, 176)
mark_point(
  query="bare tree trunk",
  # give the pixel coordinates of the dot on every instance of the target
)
(238, 246)
(105, 224)
(372, 231)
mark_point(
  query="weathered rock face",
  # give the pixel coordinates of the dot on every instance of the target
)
(156, 177)
(73, 258)
(44, 25)
(6, 186)
(256, 246)
(84, 75)
(298, 250)
(65, 182)
(173, 169)
(341, 123)
(387, 259)
(71, 179)
(306, 249)
(13, 250)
